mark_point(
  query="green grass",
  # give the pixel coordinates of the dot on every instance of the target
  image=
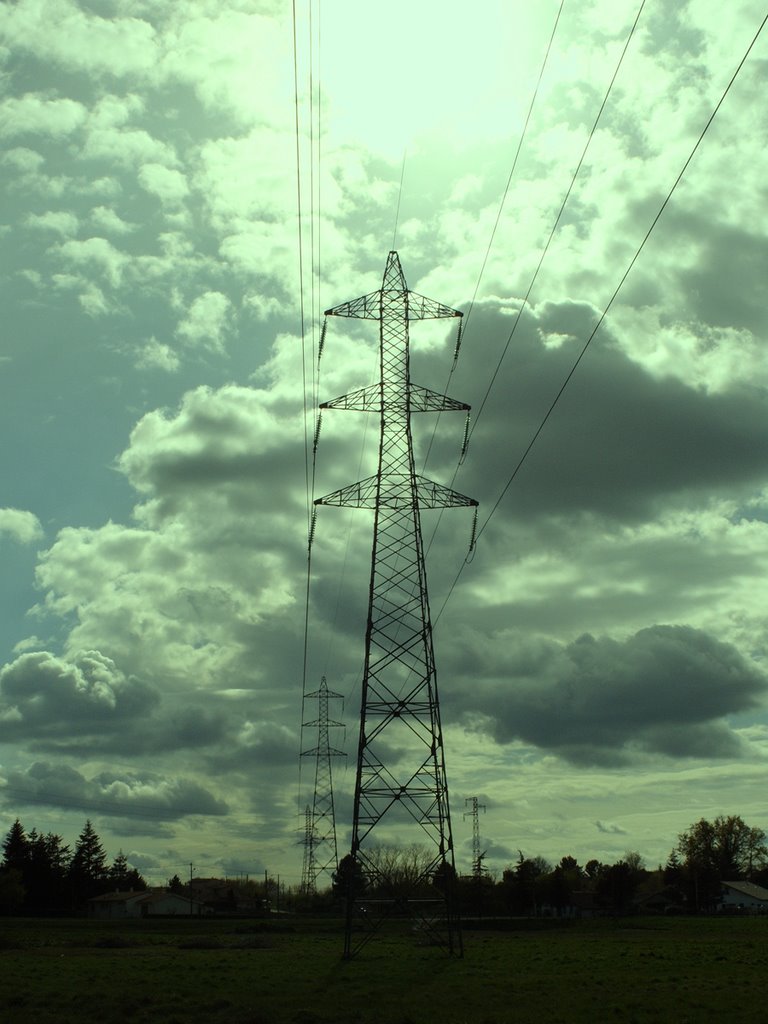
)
(643, 971)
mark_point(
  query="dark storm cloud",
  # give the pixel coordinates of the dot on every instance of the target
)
(266, 743)
(123, 794)
(228, 440)
(44, 696)
(619, 442)
(88, 706)
(666, 690)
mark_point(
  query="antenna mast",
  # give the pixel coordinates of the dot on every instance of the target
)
(401, 778)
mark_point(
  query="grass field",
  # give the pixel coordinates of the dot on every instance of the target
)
(658, 970)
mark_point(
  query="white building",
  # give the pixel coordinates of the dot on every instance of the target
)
(745, 896)
(150, 903)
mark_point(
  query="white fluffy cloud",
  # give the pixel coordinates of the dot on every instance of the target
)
(207, 320)
(61, 31)
(33, 114)
(21, 525)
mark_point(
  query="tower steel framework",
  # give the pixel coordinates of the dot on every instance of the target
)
(477, 854)
(400, 777)
(320, 850)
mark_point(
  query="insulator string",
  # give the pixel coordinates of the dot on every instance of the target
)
(459, 332)
(317, 432)
(321, 345)
(465, 440)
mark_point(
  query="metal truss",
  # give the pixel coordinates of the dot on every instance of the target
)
(320, 850)
(401, 778)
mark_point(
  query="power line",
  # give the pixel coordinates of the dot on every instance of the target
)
(514, 164)
(608, 305)
(494, 229)
(399, 197)
(545, 250)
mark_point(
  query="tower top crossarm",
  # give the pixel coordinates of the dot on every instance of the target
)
(417, 307)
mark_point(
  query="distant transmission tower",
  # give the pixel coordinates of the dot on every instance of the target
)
(401, 778)
(305, 867)
(320, 852)
(477, 855)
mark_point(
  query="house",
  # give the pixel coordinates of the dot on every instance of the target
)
(744, 896)
(151, 903)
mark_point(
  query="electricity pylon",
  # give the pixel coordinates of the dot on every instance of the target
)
(400, 777)
(477, 856)
(320, 851)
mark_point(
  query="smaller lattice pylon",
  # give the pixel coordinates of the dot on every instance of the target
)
(307, 863)
(477, 855)
(321, 853)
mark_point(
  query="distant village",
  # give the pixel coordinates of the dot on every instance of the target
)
(716, 867)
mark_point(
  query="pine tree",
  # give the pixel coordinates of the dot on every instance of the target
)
(13, 871)
(122, 877)
(16, 851)
(47, 875)
(88, 871)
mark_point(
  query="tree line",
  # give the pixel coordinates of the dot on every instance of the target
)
(41, 874)
(705, 855)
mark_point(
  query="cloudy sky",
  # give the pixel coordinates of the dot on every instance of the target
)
(603, 657)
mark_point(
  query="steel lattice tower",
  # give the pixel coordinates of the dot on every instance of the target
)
(401, 774)
(307, 862)
(477, 855)
(320, 851)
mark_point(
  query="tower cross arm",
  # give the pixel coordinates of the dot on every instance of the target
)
(359, 495)
(366, 493)
(434, 495)
(366, 307)
(369, 399)
(426, 400)
(422, 308)
(329, 751)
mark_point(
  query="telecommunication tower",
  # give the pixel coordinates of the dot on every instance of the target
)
(400, 778)
(320, 851)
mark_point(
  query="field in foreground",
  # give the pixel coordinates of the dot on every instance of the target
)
(675, 970)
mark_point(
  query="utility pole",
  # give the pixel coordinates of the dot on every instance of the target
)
(320, 852)
(400, 777)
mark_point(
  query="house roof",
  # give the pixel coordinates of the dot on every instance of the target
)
(754, 892)
(140, 896)
(118, 897)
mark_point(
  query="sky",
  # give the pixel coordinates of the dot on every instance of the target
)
(603, 653)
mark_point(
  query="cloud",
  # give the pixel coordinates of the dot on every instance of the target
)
(23, 159)
(207, 321)
(34, 114)
(610, 828)
(45, 696)
(96, 254)
(61, 222)
(168, 184)
(22, 526)
(620, 440)
(110, 793)
(156, 356)
(124, 147)
(666, 690)
(62, 32)
(105, 219)
(230, 57)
